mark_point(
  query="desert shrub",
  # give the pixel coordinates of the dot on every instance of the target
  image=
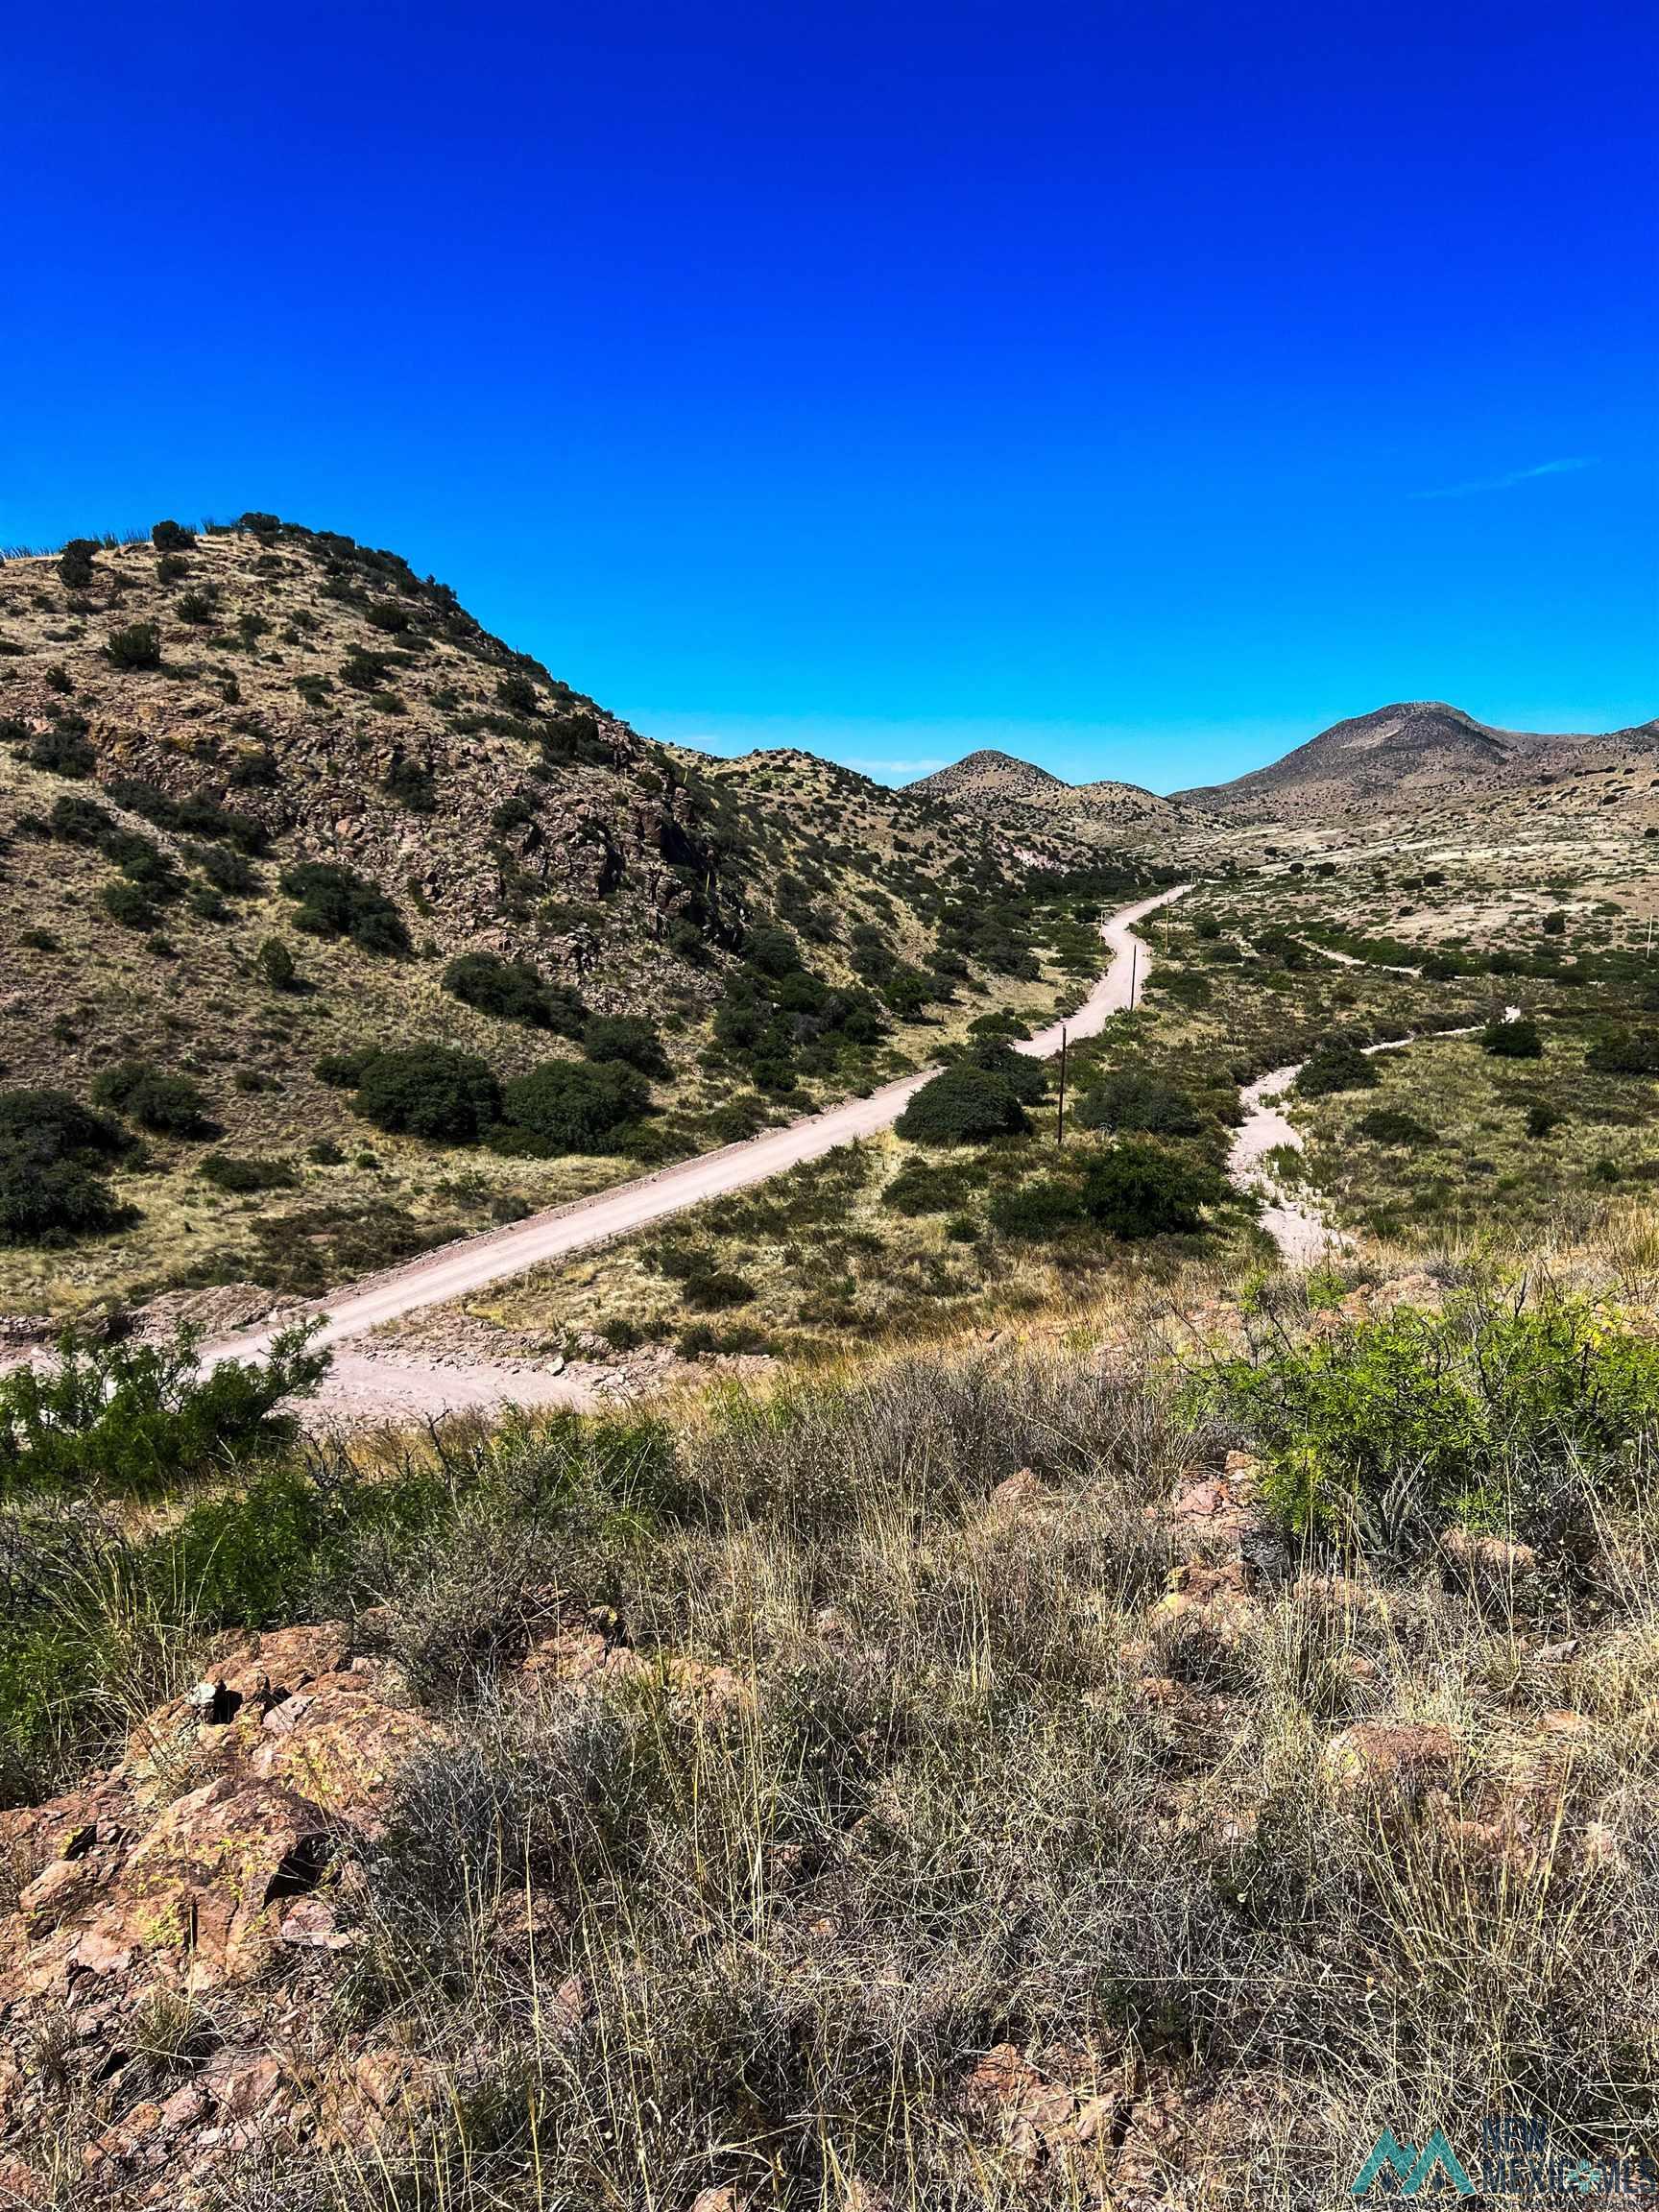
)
(1508, 1415)
(513, 991)
(772, 951)
(429, 1091)
(364, 671)
(63, 749)
(75, 562)
(1132, 1098)
(130, 905)
(1542, 1118)
(137, 646)
(343, 1070)
(1516, 1039)
(244, 1176)
(166, 1105)
(276, 965)
(78, 820)
(386, 615)
(999, 1024)
(1142, 1190)
(965, 1105)
(928, 1186)
(52, 1153)
(1625, 1052)
(1028, 1078)
(1337, 1064)
(170, 537)
(1208, 928)
(199, 607)
(412, 784)
(133, 1420)
(141, 861)
(629, 1038)
(716, 1290)
(517, 695)
(575, 1106)
(335, 901)
(1388, 1126)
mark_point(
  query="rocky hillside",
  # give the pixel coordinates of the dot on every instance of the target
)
(261, 787)
(1422, 755)
(1040, 808)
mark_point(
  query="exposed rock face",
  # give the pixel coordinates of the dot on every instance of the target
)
(188, 1885)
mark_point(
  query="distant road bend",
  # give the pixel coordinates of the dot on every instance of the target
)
(457, 1269)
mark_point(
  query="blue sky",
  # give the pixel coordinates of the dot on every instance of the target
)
(1137, 388)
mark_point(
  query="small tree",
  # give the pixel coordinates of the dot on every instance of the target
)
(629, 1038)
(170, 537)
(519, 694)
(1130, 1098)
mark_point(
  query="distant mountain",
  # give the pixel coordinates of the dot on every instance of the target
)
(1419, 755)
(1029, 801)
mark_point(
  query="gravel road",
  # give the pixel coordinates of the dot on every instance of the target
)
(457, 1269)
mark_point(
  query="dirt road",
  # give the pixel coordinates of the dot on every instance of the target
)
(457, 1269)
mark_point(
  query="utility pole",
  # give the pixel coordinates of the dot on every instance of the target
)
(1059, 1111)
(1134, 965)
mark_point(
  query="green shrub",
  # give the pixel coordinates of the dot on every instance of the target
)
(1131, 1098)
(137, 646)
(629, 1038)
(1388, 1126)
(63, 749)
(928, 1186)
(1542, 1118)
(130, 905)
(965, 1105)
(343, 1070)
(335, 901)
(78, 820)
(1507, 1415)
(1516, 1039)
(166, 1105)
(133, 1420)
(75, 562)
(245, 1176)
(276, 965)
(1625, 1052)
(517, 695)
(429, 1091)
(575, 1106)
(716, 1290)
(200, 608)
(364, 671)
(53, 1152)
(170, 537)
(513, 991)
(1140, 1190)
(412, 784)
(1028, 1078)
(1337, 1064)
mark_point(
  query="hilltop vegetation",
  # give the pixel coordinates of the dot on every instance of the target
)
(274, 808)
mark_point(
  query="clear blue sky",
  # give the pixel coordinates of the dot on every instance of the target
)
(1139, 388)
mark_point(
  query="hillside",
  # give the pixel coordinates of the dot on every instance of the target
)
(1037, 806)
(1419, 757)
(261, 787)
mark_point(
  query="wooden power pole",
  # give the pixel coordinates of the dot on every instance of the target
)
(1060, 1110)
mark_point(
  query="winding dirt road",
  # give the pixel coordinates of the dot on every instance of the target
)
(458, 1270)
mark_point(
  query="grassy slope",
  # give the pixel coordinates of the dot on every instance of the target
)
(628, 875)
